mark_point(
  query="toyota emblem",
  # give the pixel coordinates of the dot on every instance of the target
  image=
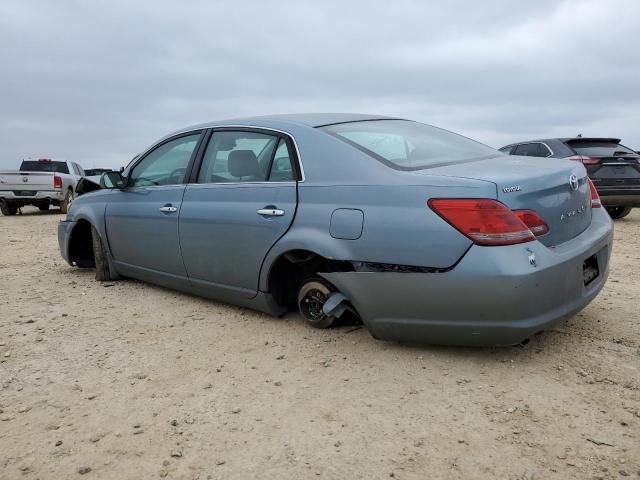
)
(573, 183)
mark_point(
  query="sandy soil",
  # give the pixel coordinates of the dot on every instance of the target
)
(134, 381)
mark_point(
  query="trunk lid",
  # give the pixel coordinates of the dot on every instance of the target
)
(539, 184)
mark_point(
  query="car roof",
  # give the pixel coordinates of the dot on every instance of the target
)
(304, 119)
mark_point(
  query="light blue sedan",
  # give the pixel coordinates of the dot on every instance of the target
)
(427, 236)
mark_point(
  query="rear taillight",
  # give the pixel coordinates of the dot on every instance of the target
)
(57, 181)
(584, 160)
(595, 198)
(485, 221)
(534, 221)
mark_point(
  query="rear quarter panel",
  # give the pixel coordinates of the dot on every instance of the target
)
(397, 228)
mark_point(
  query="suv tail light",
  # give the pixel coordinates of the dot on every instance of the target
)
(584, 160)
(484, 221)
(57, 181)
(595, 198)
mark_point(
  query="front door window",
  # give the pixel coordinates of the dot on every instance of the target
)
(166, 165)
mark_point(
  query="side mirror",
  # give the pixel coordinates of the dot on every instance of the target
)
(112, 180)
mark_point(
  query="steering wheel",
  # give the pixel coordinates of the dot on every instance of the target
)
(176, 176)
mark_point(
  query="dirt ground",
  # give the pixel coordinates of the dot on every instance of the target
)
(127, 380)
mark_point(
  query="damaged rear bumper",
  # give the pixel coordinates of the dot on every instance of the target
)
(494, 296)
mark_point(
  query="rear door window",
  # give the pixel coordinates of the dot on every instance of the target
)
(282, 167)
(240, 156)
(531, 150)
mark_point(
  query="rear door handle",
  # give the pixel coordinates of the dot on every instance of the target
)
(270, 212)
(168, 209)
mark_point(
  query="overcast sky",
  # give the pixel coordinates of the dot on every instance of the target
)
(98, 81)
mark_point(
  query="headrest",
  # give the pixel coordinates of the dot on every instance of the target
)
(243, 163)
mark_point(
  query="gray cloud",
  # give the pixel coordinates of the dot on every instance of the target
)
(96, 82)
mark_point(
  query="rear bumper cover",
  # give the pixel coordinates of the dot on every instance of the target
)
(619, 196)
(494, 296)
(38, 196)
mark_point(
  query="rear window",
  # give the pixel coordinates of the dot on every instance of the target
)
(44, 166)
(406, 145)
(600, 149)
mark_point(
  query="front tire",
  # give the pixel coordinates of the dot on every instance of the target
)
(312, 296)
(8, 209)
(618, 212)
(65, 205)
(103, 270)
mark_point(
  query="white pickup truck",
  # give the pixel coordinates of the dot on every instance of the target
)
(41, 182)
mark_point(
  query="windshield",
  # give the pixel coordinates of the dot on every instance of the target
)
(44, 166)
(600, 149)
(407, 145)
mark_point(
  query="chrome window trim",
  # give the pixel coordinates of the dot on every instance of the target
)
(214, 127)
(548, 148)
(290, 182)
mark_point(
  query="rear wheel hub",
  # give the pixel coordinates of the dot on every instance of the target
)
(311, 298)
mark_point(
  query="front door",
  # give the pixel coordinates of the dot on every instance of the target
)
(142, 219)
(243, 202)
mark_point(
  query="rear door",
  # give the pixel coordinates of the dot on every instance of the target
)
(608, 163)
(142, 219)
(241, 202)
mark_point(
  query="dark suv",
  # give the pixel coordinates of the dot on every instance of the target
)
(613, 168)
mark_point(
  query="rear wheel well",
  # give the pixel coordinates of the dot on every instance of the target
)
(292, 268)
(81, 245)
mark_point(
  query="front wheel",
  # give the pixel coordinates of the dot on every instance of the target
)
(103, 270)
(618, 212)
(312, 296)
(65, 205)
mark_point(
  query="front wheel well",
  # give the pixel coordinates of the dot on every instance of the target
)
(292, 268)
(81, 245)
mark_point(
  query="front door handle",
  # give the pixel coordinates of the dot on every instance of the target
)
(168, 209)
(270, 212)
